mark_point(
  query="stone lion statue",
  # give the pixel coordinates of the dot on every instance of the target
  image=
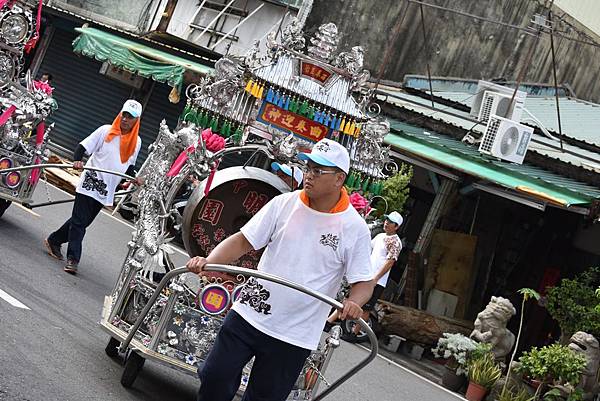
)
(587, 345)
(490, 326)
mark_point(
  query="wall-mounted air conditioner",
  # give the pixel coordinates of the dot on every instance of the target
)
(506, 139)
(485, 96)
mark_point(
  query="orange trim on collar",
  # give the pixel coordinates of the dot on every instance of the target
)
(340, 206)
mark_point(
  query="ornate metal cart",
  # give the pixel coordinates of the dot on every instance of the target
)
(272, 105)
(25, 105)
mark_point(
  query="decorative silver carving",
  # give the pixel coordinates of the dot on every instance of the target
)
(324, 43)
(351, 61)
(292, 35)
(368, 152)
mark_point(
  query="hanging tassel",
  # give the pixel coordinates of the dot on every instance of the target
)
(281, 101)
(333, 122)
(286, 106)
(270, 95)
(316, 116)
(249, 86)
(260, 91)
(304, 108)
(342, 125)
(327, 120)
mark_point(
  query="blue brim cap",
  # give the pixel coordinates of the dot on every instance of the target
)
(317, 159)
(286, 170)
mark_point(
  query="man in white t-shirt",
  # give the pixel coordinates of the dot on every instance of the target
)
(386, 248)
(312, 237)
(112, 147)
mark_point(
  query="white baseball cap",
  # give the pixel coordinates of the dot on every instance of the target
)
(394, 217)
(132, 107)
(328, 153)
(287, 170)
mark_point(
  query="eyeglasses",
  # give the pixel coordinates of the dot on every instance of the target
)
(317, 172)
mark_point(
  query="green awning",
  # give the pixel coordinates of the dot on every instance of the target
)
(525, 179)
(134, 57)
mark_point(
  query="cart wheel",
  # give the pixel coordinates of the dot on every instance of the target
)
(4, 204)
(348, 326)
(112, 348)
(132, 368)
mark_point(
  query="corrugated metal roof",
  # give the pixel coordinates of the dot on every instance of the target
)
(540, 144)
(579, 119)
(459, 156)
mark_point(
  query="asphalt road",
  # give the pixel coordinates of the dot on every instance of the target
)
(52, 347)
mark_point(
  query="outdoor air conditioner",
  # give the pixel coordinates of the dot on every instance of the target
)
(506, 139)
(484, 89)
(499, 104)
(121, 75)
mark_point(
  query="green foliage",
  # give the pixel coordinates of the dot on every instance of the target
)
(513, 394)
(484, 370)
(553, 363)
(395, 191)
(556, 395)
(528, 293)
(574, 304)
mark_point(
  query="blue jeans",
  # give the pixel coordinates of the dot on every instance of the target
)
(85, 210)
(276, 367)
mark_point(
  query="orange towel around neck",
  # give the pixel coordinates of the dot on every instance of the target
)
(128, 141)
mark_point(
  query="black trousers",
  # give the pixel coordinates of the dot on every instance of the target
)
(85, 210)
(276, 367)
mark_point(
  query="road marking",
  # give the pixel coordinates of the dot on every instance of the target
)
(414, 373)
(13, 301)
(26, 209)
(175, 248)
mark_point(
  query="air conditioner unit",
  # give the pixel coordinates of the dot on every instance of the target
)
(485, 88)
(121, 75)
(497, 104)
(506, 139)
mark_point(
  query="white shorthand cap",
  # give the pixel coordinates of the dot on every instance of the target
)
(328, 153)
(132, 107)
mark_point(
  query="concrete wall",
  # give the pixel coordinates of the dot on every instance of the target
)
(460, 46)
(262, 22)
(587, 12)
(122, 14)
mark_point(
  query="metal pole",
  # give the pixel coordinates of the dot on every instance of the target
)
(64, 166)
(265, 276)
(237, 26)
(555, 80)
(215, 19)
(427, 54)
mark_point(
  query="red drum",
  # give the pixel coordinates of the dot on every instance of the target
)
(236, 194)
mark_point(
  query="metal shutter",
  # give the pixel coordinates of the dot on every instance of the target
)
(86, 99)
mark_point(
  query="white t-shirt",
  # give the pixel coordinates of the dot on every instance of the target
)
(106, 155)
(310, 248)
(385, 247)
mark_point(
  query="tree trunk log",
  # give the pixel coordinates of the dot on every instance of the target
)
(419, 326)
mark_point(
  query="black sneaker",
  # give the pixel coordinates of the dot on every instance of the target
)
(71, 266)
(53, 250)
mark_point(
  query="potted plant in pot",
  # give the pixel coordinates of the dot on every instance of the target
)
(483, 374)
(455, 348)
(553, 364)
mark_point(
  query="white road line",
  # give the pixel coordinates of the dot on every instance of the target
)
(175, 248)
(26, 209)
(414, 374)
(13, 301)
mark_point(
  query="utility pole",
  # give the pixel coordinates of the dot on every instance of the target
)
(165, 19)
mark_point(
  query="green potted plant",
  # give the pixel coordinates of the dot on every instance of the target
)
(553, 364)
(455, 348)
(573, 304)
(483, 374)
